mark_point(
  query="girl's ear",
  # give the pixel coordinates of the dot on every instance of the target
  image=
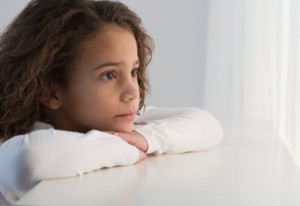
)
(53, 100)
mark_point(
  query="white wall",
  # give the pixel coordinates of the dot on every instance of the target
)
(178, 29)
(178, 68)
(9, 9)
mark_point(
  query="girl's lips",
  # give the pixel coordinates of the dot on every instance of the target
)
(130, 116)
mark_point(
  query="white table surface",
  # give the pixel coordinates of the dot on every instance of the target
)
(251, 167)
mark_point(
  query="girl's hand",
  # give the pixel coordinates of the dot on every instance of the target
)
(134, 138)
(142, 156)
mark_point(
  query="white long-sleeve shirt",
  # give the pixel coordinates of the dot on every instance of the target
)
(47, 153)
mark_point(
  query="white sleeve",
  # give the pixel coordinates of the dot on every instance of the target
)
(179, 130)
(50, 153)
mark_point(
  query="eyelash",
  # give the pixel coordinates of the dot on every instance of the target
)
(105, 77)
(134, 73)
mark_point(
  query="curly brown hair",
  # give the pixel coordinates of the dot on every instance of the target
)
(38, 47)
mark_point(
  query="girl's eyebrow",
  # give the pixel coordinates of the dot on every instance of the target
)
(107, 64)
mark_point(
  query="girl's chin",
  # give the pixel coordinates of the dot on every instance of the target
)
(124, 128)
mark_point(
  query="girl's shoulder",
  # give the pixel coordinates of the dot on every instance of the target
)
(20, 139)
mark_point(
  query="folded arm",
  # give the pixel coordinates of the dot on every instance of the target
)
(50, 153)
(179, 130)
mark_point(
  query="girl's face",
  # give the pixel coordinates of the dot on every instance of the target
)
(102, 91)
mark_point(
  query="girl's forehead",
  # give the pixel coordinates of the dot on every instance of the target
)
(112, 43)
(107, 29)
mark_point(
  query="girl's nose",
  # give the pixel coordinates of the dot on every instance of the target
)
(130, 90)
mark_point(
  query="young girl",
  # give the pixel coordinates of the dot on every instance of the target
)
(72, 79)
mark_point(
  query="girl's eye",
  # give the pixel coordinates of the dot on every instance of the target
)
(108, 76)
(134, 72)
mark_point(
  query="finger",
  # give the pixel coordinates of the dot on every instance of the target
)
(142, 156)
(126, 137)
